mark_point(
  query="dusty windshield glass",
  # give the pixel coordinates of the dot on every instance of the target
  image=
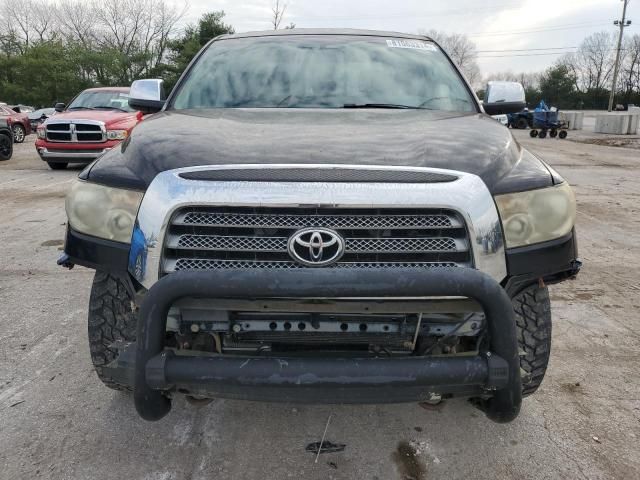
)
(323, 72)
(102, 100)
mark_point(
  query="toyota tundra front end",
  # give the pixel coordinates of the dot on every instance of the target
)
(321, 216)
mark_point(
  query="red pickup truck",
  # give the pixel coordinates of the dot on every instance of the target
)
(95, 121)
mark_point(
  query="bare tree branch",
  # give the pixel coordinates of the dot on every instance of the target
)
(462, 51)
(278, 11)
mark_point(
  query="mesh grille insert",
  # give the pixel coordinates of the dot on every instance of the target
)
(244, 237)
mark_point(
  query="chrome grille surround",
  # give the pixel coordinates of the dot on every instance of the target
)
(169, 196)
(75, 131)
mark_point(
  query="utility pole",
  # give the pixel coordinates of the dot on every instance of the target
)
(621, 25)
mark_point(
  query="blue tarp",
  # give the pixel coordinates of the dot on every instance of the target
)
(543, 117)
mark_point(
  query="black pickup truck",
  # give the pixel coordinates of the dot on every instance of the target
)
(6, 140)
(322, 216)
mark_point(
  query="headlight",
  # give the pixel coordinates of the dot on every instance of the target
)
(41, 133)
(117, 134)
(537, 215)
(101, 211)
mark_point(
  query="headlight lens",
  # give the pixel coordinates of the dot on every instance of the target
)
(101, 211)
(41, 133)
(117, 134)
(537, 215)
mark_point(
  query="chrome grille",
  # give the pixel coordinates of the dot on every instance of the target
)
(301, 221)
(279, 244)
(83, 131)
(204, 264)
(236, 244)
(208, 238)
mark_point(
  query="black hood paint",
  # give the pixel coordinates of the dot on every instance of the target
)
(472, 143)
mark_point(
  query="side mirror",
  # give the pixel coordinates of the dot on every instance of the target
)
(147, 96)
(59, 107)
(501, 98)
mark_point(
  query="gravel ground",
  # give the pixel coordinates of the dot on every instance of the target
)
(57, 421)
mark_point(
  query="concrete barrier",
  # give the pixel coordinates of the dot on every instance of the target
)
(579, 121)
(573, 119)
(569, 118)
(634, 124)
(617, 123)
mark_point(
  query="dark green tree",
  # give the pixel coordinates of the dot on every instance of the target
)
(183, 49)
(211, 25)
(557, 87)
(45, 73)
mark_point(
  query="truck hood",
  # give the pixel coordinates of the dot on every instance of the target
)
(472, 143)
(110, 118)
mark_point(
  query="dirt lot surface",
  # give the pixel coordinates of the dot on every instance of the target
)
(57, 421)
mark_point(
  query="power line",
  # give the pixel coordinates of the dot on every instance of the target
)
(522, 55)
(504, 6)
(568, 26)
(524, 49)
(536, 54)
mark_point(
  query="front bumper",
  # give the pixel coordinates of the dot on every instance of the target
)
(72, 152)
(492, 378)
(96, 253)
(70, 156)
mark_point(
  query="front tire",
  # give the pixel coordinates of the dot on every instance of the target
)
(533, 327)
(6, 147)
(19, 133)
(57, 165)
(111, 320)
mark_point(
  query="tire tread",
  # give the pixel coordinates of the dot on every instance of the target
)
(533, 326)
(110, 319)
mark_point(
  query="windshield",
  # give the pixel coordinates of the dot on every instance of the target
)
(324, 71)
(102, 100)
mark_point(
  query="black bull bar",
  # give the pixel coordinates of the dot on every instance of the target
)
(495, 374)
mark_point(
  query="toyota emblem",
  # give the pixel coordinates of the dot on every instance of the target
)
(316, 247)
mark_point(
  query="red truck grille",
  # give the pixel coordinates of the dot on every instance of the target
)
(86, 131)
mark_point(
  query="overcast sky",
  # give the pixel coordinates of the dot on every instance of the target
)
(495, 25)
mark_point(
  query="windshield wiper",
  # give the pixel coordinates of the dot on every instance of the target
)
(455, 99)
(79, 108)
(109, 107)
(375, 105)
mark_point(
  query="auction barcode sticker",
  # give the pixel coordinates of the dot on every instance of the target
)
(417, 44)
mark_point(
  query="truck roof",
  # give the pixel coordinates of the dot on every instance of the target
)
(324, 31)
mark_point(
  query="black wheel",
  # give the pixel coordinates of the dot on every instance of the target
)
(533, 133)
(553, 133)
(6, 147)
(533, 326)
(562, 134)
(19, 133)
(57, 165)
(522, 123)
(542, 134)
(111, 320)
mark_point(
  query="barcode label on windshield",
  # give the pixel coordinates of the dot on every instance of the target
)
(417, 44)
